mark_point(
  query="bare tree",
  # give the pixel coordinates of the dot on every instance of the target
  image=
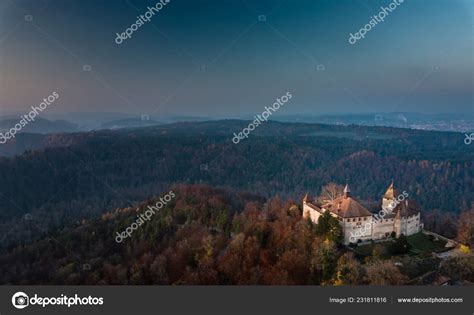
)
(330, 192)
(384, 272)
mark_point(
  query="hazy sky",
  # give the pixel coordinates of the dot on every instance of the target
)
(214, 57)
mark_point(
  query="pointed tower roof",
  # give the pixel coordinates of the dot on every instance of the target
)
(391, 192)
(347, 191)
(305, 199)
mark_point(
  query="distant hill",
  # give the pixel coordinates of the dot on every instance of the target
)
(128, 123)
(34, 135)
(209, 236)
(68, 177)
(24, 142)
(43, 133)
(39, 125)
(439, 122)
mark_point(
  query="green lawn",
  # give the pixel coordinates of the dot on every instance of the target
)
(422, 243)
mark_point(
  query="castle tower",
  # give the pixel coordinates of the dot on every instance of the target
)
(347, 191)
(390, 196)
(305, 199)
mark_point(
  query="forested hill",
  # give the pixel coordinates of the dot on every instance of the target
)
(81, 175)
(205, 235)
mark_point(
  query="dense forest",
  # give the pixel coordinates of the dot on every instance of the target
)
(77, 176)
(213, 236)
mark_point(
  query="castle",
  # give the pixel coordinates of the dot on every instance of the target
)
(398, 216)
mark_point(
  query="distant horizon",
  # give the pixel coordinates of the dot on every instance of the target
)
(88, 121)
(230, 116)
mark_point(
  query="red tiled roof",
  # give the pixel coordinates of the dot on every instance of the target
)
(347, 207)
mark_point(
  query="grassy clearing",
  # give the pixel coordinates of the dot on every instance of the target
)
(425, 243)
(419, 243)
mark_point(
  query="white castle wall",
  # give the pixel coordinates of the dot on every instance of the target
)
(312, 213)
(367, 228)
(383, 228)
(412, 225)
(357, 229)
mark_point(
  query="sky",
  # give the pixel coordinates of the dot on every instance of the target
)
(228, 58)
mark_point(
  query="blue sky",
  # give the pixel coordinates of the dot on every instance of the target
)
(214, 57)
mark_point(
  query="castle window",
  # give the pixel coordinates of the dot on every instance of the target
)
(359, 219)
(365, 219)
